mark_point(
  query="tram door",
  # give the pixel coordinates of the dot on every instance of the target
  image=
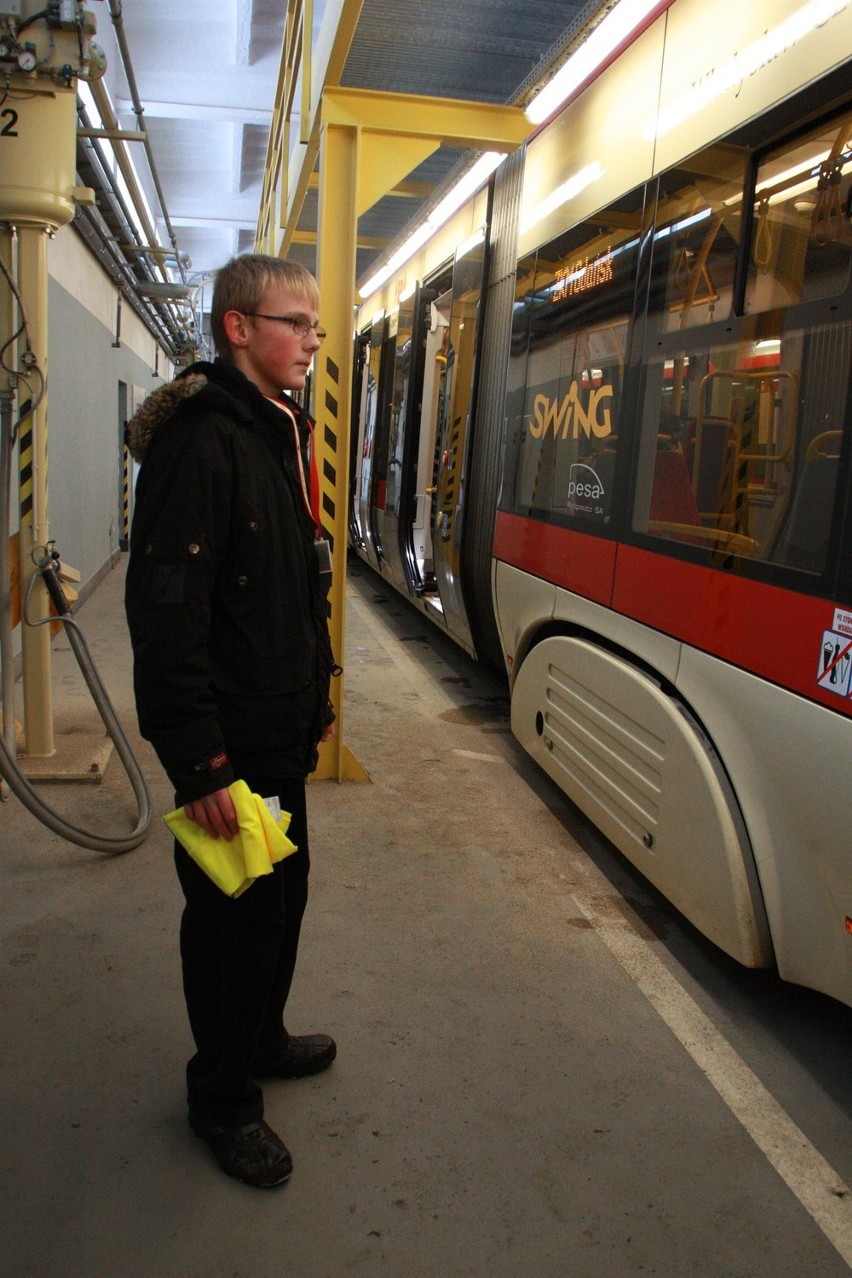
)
(438, 297)
(455, 415)
(370, 535)
(384, 536)
(359, 395)
(396, 448)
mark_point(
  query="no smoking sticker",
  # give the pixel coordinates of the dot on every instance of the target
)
(835, 665)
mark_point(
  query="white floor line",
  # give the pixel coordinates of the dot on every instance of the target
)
(818, 1187)
(478, 756)
(814, 1182)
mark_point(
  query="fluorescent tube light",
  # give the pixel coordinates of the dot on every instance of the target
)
(616, 27)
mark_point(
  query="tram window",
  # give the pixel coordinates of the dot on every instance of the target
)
(696, 238)
(516, 377)
(741, 423)
(801, 240)
(567, 367)
(456, 392)
(696, 234)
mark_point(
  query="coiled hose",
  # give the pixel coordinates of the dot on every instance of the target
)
(19, 785)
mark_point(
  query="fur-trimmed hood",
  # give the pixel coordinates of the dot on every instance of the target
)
(160, 407)
(225, 603)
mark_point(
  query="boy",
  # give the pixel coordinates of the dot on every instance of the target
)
(226, 606)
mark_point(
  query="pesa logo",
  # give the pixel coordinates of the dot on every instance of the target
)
(586, 484)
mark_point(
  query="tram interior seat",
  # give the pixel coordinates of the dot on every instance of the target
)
(672, 496)
(675, 509)
(805, 540)
(734, 456)
(712, 447)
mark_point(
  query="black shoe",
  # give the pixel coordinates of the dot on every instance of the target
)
(304, 1054)
(251, 1153)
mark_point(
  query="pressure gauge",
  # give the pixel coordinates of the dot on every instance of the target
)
(27, 60)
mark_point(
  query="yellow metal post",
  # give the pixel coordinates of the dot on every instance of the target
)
(35, 533)
(336, 272)
(368, 142)
(8, 545)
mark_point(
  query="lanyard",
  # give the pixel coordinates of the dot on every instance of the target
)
(311, 500)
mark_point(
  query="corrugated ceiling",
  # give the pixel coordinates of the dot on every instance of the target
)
(207, 74)
(480, 50)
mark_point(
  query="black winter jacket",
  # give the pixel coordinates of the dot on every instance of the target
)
(224, 600)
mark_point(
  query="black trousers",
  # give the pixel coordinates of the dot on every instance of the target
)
(238, 961)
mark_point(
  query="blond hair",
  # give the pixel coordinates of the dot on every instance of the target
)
(241, 284)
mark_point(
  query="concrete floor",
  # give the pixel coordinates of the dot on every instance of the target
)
(507, 1100)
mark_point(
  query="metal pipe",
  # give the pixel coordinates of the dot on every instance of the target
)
(128, 172)
(107, 253)
(169, 329)
(118, 22)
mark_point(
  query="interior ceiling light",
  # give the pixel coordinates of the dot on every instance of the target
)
(619, 25)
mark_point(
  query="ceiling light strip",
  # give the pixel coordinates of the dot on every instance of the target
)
(622, 25)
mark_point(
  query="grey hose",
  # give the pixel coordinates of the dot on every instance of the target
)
(20, 786)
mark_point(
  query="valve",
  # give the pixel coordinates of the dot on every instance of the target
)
(63, 13)
(34, 44)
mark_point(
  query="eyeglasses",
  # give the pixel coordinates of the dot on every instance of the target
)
(301, 327)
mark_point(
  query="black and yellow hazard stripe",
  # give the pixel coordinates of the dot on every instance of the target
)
(330, 433)
(125, 498)
(25, 463)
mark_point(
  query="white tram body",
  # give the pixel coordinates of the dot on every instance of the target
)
(641, 428)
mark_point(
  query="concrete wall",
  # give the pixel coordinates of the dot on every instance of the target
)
(92, 385)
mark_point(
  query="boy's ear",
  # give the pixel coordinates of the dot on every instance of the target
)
(236, 327)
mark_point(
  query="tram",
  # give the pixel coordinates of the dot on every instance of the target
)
(601, 437)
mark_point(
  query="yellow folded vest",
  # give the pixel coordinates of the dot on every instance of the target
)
(260, 843)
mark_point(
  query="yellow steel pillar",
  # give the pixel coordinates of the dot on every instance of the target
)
(336, 273)
(8, 545)
(34, 530)
(367, 142)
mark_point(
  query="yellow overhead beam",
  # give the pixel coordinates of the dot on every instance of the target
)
(364, 241)
(407, 190)
(382, 166)
(398, 131)
(381, 170)
(410, 190)
(471, 126)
